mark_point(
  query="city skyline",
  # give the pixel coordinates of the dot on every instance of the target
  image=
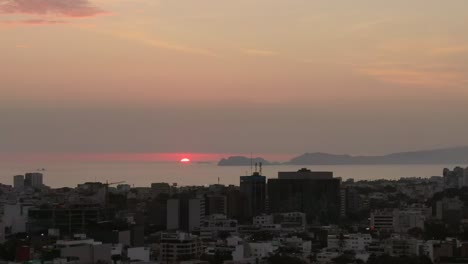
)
(101, 77)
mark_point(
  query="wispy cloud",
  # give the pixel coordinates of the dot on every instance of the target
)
(22, 46)
(368, 25)
(416, 76)
(425, 62)
(158, 43)
(45, 12)
(260, 52)
(63, 8)
(451, 50)
(32, 22)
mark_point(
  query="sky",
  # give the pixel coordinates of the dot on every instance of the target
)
(115, 77)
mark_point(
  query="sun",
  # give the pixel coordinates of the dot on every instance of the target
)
(185, 160)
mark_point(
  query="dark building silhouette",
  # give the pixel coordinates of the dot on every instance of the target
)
(317, 194)
(33, 179)
(68, 220)
(234, 202)
(253, 190)
(216, 204)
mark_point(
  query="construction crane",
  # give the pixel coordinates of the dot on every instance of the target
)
(107, 190)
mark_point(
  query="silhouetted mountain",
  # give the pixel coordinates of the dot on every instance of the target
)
(436, 156)
(242, 161)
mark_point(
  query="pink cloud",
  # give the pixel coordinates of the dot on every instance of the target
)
(64, 8)
(33, 22)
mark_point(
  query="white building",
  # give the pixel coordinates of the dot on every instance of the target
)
(15, 217)
(177, 246)
(293, 221)
(407, 219)
(215, 224)
(356, 242)
(296, 243)
(138, 254)
(261, 250)
(84, 251)
(399, 221)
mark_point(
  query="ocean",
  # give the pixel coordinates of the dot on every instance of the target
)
(141, 174)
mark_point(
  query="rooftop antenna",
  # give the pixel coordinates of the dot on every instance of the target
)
(256, 167)
(251, 164)
(218, 180)
(260, 168)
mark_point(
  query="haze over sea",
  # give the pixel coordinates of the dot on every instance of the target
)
(141, 174)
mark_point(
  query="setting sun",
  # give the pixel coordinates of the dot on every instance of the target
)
(185, 160)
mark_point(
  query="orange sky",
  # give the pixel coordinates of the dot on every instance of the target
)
(128, 76)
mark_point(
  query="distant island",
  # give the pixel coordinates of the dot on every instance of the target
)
(455, 155)
(242, 161)
(435, 156)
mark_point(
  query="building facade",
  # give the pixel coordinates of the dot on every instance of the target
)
(317, 194)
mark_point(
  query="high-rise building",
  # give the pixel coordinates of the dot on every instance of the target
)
(253, 190)
(317, 194)
(18, 182)
(234, 202)
(353, 201)
(185, 213)
(33, 179)
(216, 204)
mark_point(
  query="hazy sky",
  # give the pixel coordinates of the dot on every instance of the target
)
(262, 76)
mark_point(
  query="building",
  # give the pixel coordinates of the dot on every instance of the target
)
(305, 173)
(354, 203)
(234, 202)
(264, 219)
(343, 202)
(399, 221)
(138, 254)
(456, 178)
(18, 182)
(15, 217)
(404, 220)
(253, 190)
(185, 213)
(355, 242)
(68, 220)
(292, 221)
(84, 251)
(216, 204)
(33, 180)
(382, 220)
(317, 194)
(179, 246)
(160, 188)
(214, 225)
(397, 246)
